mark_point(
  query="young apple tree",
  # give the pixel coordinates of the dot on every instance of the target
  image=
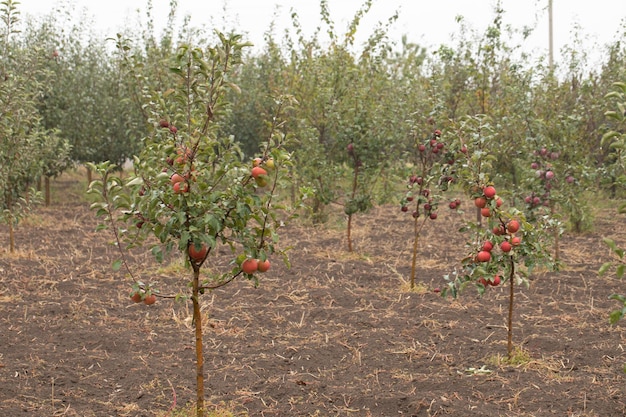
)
(434, 170)
(503, 247)
(191, 188)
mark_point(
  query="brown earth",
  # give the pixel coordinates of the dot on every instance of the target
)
(335, 335)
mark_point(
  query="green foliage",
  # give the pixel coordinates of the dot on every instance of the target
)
(616, 141)
(344, 99)
(618, 253)
(217, 201)
(617, 315)
(55, 152)
(27, 149)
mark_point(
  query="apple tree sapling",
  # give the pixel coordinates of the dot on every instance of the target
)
(192, 188)
(503, 247)
(358, 200)
(505, 251)
(432, 176)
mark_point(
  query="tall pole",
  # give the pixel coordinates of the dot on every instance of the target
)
(551, 36)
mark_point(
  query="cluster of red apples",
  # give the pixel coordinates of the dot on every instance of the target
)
(508, 229)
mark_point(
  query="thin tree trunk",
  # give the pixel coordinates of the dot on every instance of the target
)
(511, 299)
(355, 184)
(415, 247)
(349, 231)
(197, 318)
(556, 235)
(11, 237)
(47, 190)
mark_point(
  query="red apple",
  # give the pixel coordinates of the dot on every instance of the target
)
(489, 191)
(512, 226)
(264, 266)
(180, 187)
(258, 171)
(480, 202)
(176, 178)
(197, 254)
(483, 256)
(506, 247)
(250, 266)
(498, 230)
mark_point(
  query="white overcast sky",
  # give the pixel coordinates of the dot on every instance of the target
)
(426, 22)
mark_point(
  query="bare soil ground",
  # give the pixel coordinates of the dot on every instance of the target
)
(335, 335)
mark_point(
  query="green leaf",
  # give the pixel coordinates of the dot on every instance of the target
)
(610, 243)
(618, 297)
(158, 253)
(135, 181)
(619, 271)
(608, 136)
(605, 267)
(615, 316)
(117, 264)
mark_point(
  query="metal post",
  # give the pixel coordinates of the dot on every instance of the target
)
(551, 36)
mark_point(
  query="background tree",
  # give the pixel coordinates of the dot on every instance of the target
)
(88, 103)
(24, 80)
